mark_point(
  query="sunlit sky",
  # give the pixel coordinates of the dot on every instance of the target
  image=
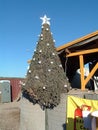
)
(20, 26)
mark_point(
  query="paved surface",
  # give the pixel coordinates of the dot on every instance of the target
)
(9, 116)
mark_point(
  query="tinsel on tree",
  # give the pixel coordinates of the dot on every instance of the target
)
(46, 79)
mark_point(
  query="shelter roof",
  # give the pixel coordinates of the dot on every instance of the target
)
(69, 53)
(81, 43)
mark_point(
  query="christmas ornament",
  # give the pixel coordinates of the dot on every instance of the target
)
(53, 40)
(40, 50)
(44, 87)
(48, 44)
(49, 70)
(51, 62)
(47, 29)
(60, 65)
(29, 71)
(39, 62)
(34, 59)
(41, 38)
(45, 20)
(42, 27)
(65, 86)
(36, 77)
(53, 54)
(41, 35)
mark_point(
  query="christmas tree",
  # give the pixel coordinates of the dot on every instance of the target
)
(46, 79)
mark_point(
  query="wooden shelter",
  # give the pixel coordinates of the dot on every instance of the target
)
(76, 54)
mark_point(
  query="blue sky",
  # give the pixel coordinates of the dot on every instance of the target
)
(20, 26)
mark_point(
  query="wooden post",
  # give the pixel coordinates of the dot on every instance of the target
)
(82, 71)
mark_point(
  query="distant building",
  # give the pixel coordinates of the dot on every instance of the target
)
(14, 89)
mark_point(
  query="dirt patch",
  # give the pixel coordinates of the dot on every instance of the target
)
(9, 116)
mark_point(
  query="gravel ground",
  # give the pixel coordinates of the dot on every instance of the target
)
(9, 116)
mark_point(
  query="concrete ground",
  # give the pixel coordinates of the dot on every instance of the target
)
(9, 116)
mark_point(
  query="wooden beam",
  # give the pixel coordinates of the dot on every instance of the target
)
(77, 40)
(83, 52)
(82, 71)
(91, 73)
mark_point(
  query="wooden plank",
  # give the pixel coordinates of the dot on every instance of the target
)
(83, 52)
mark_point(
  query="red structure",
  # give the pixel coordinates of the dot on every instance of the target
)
(15, 84)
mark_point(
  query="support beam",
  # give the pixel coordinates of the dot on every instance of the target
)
(91, 73)
(83, 52)
(82, 71)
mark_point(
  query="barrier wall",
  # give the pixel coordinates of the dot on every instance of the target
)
(34, 118)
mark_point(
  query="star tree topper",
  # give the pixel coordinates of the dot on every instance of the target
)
(45, 20)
